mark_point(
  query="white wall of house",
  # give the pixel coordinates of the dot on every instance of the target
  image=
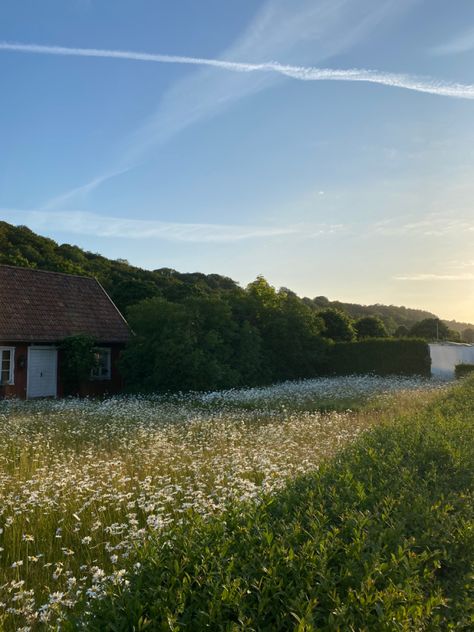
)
(445, 356)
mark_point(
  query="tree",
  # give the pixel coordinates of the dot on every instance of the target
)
(181, 346)
(468, 335)
(290, 330)
(294, 336)
(433, 329)
(131, 291)
(337, 325)
(370, 327)
(401, 332)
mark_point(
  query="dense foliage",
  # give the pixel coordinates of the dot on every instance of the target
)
(386, 356)
(253, 337)
(467, 335)
(86, 482)
(391, 315)
(370, 327)
(196, 331)
(337, 325)
(128, 285)
(434, 329)
(462, 370)
(380, 539)
(78, 358)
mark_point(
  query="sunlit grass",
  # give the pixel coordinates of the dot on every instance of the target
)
(84, 483)
(379, 538)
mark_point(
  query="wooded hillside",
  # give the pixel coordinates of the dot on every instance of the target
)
(128, 285)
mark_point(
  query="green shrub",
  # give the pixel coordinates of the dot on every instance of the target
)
(380, 356)
(77, 355)
(207, 342)
(380, 539)
(461, 370)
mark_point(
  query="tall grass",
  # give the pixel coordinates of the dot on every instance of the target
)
(84, 484)
(381, 538)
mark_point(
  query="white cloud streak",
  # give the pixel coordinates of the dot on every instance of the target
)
(82, 190)
(431, 225)
(312, 30)
(436, 277)
(85, 223)
(302, 73)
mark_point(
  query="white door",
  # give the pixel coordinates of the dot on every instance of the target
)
(42, 372)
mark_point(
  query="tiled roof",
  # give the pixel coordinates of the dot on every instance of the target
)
(39, 306)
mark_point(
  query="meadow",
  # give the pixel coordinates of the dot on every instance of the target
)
(379, 538)
(85, 485)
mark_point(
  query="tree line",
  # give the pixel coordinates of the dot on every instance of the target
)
(128, 285)
(196, 331)
(246, 337)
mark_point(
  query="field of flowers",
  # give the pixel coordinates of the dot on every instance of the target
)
(84, 483)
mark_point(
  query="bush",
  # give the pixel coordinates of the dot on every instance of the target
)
(380, 539)
(461, 370)
(381, 357)
(208, 342)
(77, 359)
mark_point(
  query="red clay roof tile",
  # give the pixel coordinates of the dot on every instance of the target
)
(39, 306)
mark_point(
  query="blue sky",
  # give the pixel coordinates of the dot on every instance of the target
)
(245, 158)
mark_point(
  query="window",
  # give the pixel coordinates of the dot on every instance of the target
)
(7, 356)
(102, 369)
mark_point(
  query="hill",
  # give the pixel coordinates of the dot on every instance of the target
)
(127, 284)
(392, 315)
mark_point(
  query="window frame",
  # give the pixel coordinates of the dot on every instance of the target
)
(108, 365)
(11, 376)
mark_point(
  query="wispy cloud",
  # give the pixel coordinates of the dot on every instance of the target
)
(460, 265)
(430, 225)
(82, 190)
(453, 270)
(462, 43)
(312, 31)
(85, 223)
(302, 73)
(436, 277)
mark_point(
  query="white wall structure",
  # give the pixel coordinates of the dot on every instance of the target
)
(445, 356)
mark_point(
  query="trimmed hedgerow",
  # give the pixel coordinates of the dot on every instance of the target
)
(461, 370)
(380, 356)
(382, 538)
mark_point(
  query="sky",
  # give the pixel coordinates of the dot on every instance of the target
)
(327, 145)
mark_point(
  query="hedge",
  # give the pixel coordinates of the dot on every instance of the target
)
(380, 356)
(461, 370)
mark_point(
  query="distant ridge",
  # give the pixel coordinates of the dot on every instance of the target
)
(127, 284)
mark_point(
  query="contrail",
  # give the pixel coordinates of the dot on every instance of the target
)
(302, 73)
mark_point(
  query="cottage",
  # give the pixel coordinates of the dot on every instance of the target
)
(38, 309)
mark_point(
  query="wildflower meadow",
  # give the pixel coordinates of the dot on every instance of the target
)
(84, 484)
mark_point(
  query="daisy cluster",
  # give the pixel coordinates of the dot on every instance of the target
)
(83, 483)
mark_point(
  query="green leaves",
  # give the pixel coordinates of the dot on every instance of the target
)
(77, 358)
(381, 539)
